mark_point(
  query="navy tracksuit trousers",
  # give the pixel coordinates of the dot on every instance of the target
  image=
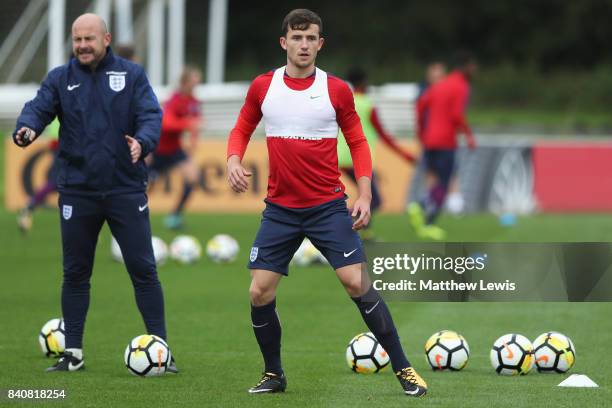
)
(127, 215)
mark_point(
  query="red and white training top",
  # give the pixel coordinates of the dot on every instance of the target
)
(301, 117)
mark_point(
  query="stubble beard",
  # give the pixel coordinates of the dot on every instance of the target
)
(94, 61)
(302, 65)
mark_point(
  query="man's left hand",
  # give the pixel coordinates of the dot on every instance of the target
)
(361, 210)
(135, 148)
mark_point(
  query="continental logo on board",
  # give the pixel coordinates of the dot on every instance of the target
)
(26, 170)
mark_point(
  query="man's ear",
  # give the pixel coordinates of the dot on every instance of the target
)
(283, 43)
(107, 39)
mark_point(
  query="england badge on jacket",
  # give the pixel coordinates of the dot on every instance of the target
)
(116, 80)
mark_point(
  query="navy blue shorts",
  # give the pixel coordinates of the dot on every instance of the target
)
(441, 163)
(328, 226)
(164, 162)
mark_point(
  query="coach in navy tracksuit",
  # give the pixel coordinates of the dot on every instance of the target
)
(109, 121)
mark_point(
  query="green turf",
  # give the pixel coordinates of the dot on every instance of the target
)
(209, 326)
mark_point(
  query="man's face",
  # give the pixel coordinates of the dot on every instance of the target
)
(435, 72)
(191, 82)
(89, 43)
(302, 46)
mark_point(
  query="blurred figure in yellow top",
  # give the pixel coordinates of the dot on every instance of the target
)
(373, 130)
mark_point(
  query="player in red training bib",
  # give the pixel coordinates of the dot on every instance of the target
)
(303, 107)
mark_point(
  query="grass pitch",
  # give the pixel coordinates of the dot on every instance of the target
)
(209, 328)
(208, 318)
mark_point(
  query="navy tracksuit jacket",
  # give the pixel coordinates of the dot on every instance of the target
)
(95, 110)
(96, 178)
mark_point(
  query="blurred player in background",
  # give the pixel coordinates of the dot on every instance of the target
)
(440, 116)
(434, 73)
(24, 219)
(302, 107)
(422, 180)
(127, 51)
(373, 129)
(182, 114)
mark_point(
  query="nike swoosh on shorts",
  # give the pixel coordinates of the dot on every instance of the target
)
(346, 255)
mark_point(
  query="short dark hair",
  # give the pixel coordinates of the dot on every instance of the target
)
(357, 76)
(461, 58)
(126, 51)
(301, 19)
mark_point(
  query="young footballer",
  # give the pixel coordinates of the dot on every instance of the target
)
(303, 107)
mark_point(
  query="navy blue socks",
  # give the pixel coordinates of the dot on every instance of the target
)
(267, 328)
(378, 319)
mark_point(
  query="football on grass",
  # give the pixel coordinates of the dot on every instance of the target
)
(185, 249)
(147, 356)
(554, 353)
(447, 350)
(365, 355)
(52, 338)
(222, 248)
(512, 354)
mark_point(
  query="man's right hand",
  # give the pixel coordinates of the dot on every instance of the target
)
(195, 124)
(237, 175)
(24, 137)
(471, 142)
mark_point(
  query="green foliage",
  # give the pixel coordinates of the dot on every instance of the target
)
(525, 87)
(542, 55)
(550, 33)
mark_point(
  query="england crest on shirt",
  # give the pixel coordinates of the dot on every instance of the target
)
(116, 82)
(66, 211)
(254, 252)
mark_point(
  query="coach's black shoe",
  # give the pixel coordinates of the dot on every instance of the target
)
(270, 382)
(411, 382)
(172, 366)
(67, 362)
